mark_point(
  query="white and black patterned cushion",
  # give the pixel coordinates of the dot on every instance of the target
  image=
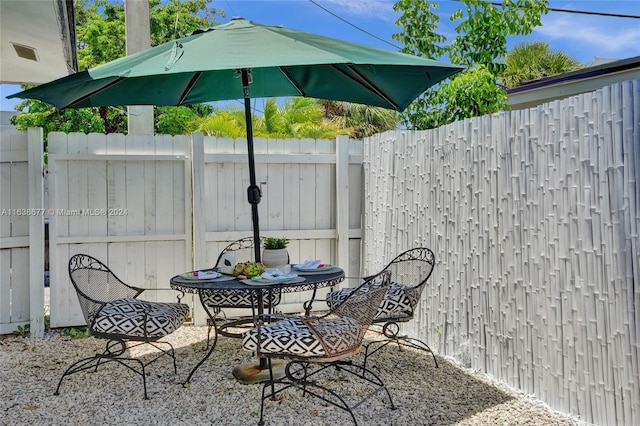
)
(126, 317)
(395, 303)
(300, 337)
(229, 298)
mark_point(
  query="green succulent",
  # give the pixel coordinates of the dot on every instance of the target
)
(272, 243)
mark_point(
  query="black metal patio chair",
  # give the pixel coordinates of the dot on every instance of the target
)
(114, 313)
(314, 344)
(215, 301)
(410, 272)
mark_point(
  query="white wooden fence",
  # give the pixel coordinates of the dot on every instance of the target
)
(125, 200)
(312, 192)
(128, 201)
(21, 230)
(534, 217)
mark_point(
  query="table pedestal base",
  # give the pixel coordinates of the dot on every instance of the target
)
(250, 372)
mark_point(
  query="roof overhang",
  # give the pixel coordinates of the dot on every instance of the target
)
(37, 40)
(536, 92)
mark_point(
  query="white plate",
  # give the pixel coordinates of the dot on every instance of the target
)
(274, 280)
(267, 282)
(209, 275)
(324, 268)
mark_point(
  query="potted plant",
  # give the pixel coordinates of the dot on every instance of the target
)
(275, 254)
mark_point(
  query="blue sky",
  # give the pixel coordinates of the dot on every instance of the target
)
(583, 36)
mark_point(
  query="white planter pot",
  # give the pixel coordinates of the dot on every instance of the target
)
(275, 259)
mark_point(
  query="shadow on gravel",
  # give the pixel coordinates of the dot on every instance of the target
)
(425, 395)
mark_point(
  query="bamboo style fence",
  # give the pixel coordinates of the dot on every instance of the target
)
(534, 217)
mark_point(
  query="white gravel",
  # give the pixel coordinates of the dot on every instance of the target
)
(425, 395)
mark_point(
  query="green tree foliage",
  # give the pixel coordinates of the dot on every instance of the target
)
(474, 90)
(481, 42)
(534, 60)
(296, 118)
(364, 120)
(100, 34)
(176, 120)
(227, 122)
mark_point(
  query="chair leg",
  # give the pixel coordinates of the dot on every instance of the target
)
(338, 401)
(300, 376)
(391, 330)
(80, 365)
(410, 342)
(270, 383)
(88, 363)
(368, 353)
(377, 381)
(114, 349)
(171, 353)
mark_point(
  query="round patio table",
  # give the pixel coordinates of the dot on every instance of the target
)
(307, 280)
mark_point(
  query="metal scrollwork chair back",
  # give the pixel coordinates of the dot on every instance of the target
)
(410, 272)
(113, 312)
(315, 344)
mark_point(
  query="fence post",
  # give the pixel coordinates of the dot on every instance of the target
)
(200, 259)
(36, 232)
(199, 194)
(342, 201)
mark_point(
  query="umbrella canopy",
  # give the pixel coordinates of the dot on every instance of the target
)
(203, 66)
(242, 59)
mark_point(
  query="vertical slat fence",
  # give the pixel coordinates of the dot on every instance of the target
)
(533, 216)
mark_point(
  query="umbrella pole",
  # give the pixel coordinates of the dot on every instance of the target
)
(253, 191)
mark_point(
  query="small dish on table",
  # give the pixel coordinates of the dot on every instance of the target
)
(205, 274)
(319, 268)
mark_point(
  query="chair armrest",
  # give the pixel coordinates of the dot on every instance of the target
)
(179, 296)
(159, 289)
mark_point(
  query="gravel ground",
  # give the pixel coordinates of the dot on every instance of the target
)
(424, 395)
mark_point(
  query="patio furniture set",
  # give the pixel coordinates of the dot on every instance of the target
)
(293, 350)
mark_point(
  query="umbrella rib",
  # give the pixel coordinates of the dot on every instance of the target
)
(88, 95)
(293, 83)
(365, 82)
(190, 85)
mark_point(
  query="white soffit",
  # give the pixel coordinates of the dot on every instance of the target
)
(36, 41)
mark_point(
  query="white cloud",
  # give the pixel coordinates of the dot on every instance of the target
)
(598, 36)
(379, 9)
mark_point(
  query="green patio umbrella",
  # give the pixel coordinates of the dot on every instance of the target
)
(242, 59)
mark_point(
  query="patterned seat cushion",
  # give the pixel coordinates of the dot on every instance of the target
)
(238, 299)
(299, 337)
(126, 317)
(395, 304)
